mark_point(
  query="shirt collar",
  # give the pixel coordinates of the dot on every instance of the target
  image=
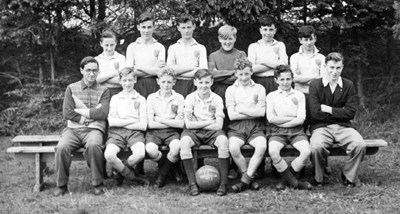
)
(83, 85)
(315, 50)
(325, 81)
(131, 95)
(207, 100)
(170, 97)
(261, 42)
(141, 41)
(103, 56)
(194, 42)
(236, 83)
(280, 91)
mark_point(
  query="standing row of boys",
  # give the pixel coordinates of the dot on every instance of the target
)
(255, 89)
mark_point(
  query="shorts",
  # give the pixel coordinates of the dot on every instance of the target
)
(268, 83)
(288, 135)
(162, 136)
(146, 86)
(123, 137)
(201, 136)
(184, 87)
(246, 130)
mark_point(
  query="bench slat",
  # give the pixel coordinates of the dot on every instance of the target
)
(36, 138)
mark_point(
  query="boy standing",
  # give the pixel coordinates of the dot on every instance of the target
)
(85, 107)
(286, 111)
(245, 101)
(307, 64)
(204, 119)
(165, 120)
(146, 56)
(266, 54)
(186, 56)
(110, 62)
(128, 121)
(333, 105)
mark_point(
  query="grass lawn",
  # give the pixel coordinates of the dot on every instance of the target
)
(378, 191)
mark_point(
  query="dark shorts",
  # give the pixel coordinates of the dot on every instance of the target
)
(146, 86)
(162, 136)
(288, 135)
(246, 130)
(268, 83)
(184, 87)
(123, 137)
(201, 136)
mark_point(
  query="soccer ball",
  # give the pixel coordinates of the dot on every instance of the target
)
(208, 178)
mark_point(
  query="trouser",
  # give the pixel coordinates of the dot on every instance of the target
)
(346, 137)
(73, 139)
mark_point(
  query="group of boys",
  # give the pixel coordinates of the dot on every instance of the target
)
(185, 102)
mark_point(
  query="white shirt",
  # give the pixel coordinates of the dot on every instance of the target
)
(286, 104)
(110, 64)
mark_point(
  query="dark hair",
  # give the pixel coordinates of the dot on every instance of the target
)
(267, 21)
(242, 63)
(282, 69)
(201, 73)
(87, 60)
(306, 31)
(334, 56)
(108, 34)
(126, 71)
(146, 16)
(184, 18)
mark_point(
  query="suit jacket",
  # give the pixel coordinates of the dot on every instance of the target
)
(343, 102)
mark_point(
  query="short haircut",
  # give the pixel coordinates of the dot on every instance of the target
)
(87, 60)
(125, 72)
(108, 34)
(166, 71)
(201, 73)
(184, 18)
(282, 69)
(306, 31)
(267, 21)
(146, 16)
(227, 31)
(242, 63)
(334, 56)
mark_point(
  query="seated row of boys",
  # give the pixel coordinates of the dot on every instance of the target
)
(201, 115)
(84, 105)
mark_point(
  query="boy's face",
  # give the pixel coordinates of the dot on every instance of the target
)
(127, 82)
(186, 30)
(203, 85)
(268, 32)
(284, 81)
(108, 45)
(308, 43)
(146, 29)
(166, 82)
(244, 76)
(227, 43)
(90, 72)
(333, 70)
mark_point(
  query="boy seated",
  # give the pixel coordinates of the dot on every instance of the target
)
(165, 121)
(286, 111)
(127, 122)
(333, 104)
(204, 119)
(245, 101)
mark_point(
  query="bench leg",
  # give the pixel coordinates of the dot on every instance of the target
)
(39, 167)
(195, 160)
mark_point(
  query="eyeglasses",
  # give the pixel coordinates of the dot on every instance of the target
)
(93, 71)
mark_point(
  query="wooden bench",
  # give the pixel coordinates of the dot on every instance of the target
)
(40, 148)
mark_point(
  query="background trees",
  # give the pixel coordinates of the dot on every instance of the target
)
(42, 41)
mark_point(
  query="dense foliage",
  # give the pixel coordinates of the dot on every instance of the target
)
(42, 43)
